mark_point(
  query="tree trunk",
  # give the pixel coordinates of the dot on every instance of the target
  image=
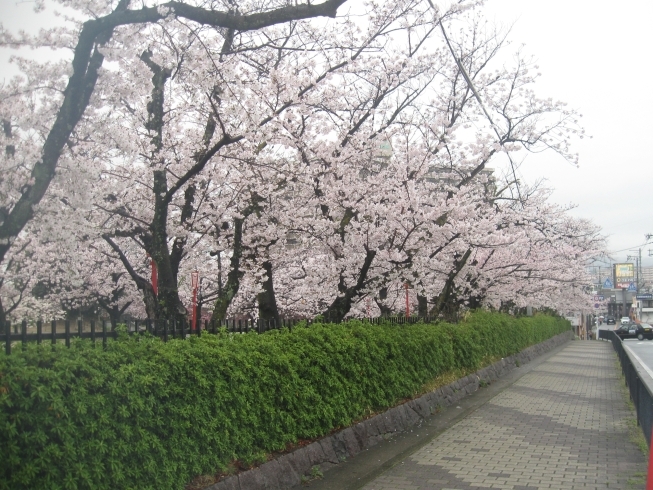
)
(267, 301)
(3, 316)
(169, 306)
(337, 311)
(383, 294)
(422, 306)
(228, 292)
(444, 298)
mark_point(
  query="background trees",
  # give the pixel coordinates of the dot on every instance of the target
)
(305, 166)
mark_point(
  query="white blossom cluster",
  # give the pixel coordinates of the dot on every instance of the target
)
(318, 161)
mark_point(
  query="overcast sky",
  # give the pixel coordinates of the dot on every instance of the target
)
(596, 57)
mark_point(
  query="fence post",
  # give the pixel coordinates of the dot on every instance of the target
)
(23, 332)
(80, 328)
(104, 334)
(183, 329)
(39, 331)
(93, 332)
(53, 332)
(8, 337)
(67, 326)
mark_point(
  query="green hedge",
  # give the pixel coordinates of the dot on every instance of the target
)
(152, 415)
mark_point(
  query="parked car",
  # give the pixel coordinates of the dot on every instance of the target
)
(610, 320)
(633, 330)
(625, 319)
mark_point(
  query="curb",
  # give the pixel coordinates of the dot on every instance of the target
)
(287, 470)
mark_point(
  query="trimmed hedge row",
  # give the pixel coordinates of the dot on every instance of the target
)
(145, 414)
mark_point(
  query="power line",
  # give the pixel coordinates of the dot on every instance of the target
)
(628, 248)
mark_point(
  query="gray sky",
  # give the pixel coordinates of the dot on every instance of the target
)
(596, 58)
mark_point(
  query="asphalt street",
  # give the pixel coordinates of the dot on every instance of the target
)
(643, 349)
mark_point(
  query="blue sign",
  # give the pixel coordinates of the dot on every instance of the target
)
(608, 284)
(632, 287)
(645, 296)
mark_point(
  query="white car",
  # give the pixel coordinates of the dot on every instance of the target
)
(625, 319)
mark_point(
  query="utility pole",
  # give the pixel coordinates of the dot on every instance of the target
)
(638, 261)
(639, 273)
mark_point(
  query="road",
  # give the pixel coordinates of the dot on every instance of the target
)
(644, 350)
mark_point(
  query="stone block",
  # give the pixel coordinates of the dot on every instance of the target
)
(299, 461)
(287, 477)
(252, 480)
(339, 446)
(360, 432)
(352, 445)
(386, 423)
(396, 419)
(371, 427)
(230, 483)
(447, 391)
(315, 453)
(271, 471)
(413, 417)
(329, 451)
(421, 406)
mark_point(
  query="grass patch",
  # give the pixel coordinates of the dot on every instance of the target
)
(635, 434)
(637, 480)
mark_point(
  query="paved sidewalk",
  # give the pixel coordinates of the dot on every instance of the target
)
(562, 425)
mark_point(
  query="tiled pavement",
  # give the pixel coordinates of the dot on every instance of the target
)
(562, 426)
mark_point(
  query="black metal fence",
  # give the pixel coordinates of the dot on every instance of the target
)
(640, 393)
(42, 332)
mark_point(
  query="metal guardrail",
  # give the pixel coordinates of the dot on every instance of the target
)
(640, 390)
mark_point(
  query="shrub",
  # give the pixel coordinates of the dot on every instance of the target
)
(146, 414)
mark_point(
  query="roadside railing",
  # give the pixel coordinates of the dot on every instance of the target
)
(640, 391)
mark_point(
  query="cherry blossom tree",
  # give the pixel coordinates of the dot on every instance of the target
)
(320, 162)
(41, 113)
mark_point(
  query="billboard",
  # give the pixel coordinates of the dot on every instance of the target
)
(624, 274)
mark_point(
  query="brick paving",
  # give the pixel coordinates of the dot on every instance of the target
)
(561, 426)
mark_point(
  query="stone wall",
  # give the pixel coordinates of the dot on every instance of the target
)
(286, 471)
